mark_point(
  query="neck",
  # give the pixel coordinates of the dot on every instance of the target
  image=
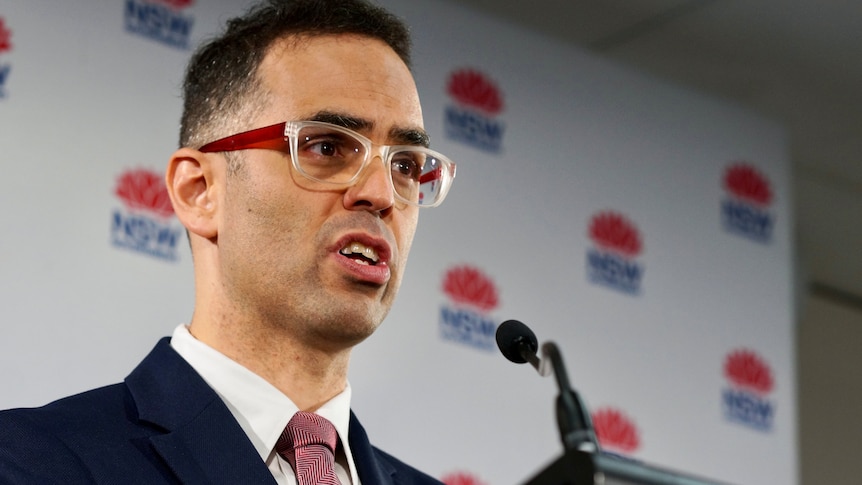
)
(308, 375)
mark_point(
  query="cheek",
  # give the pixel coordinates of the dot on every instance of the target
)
(262, 211)
(407, 229)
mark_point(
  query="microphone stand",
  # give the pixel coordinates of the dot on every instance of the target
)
(573, 420)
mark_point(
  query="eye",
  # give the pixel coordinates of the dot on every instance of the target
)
(327, 146)
(407, 165)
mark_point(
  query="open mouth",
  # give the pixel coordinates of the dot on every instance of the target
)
(361, 253)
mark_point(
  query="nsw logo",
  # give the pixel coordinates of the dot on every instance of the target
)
(472, 118)
(146, 222)
(160, 20)
(745, 208)
(612, 261)
(615, 431)
(5, 46)
(461, 478)
(746, 398)
(465, 319)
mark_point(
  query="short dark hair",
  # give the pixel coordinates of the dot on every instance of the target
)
(221, 78)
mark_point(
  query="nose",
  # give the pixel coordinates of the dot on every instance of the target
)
(373, 191)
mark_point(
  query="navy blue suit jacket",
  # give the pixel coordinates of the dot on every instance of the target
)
(163, 424)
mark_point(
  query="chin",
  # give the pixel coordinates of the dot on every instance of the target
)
(350, 328)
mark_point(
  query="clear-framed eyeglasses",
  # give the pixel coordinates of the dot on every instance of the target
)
(334, 155)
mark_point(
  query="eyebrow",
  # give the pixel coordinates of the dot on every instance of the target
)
(401, 136)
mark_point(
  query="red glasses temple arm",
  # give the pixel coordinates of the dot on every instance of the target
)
(271, 137)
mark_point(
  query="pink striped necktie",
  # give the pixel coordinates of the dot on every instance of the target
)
(308, 443)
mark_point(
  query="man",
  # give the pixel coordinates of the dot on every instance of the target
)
(303, 167)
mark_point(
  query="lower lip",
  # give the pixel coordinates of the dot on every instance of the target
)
(365, 273)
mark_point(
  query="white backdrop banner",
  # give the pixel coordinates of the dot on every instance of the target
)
(644, 228)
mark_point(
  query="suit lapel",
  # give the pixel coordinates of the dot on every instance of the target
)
(370, 468)
(201, 441)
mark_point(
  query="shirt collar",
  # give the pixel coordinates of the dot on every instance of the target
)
(260, 408)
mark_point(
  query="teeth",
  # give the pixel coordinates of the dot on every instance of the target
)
(358, 248)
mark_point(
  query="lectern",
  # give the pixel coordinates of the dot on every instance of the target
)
(577, 467)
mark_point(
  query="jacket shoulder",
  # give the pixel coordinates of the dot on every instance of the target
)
(406, 474)
(377, 466)
(45, 444)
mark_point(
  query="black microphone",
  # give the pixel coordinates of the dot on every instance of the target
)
(519, 344)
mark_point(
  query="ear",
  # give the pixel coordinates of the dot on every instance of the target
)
(191, 184)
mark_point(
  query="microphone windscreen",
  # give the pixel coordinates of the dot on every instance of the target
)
(511, 336)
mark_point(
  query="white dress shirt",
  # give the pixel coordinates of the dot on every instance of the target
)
(261, 410)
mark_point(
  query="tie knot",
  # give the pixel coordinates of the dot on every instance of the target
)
(308, 443)
(306, 429)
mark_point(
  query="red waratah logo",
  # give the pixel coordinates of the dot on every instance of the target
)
(143, 189)
(472, 88)
(615, 431)
(745, 182)
(468, 285)
(460, 478)
(613, 231)
(177, 4)
(5, 37)
(746, 369)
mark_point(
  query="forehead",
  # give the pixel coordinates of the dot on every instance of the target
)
(350, 74)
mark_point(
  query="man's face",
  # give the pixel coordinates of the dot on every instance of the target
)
(282, 238)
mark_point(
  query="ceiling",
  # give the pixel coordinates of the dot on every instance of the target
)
(798, 62)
